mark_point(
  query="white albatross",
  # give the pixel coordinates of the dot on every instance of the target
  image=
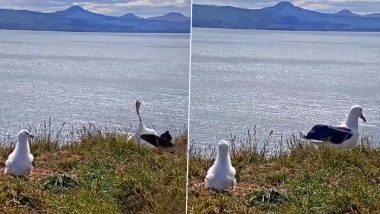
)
(221, 175)
(142, 129)
(19, 162)
(149, 137)
(345, 135)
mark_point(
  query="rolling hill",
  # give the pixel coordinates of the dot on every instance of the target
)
(78, 19)
(282, 16)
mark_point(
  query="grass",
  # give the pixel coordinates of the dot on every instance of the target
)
(296, 178)
(101, 172)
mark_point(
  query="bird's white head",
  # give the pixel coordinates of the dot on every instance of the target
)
(357, 112)
(352, 121)
(223, 148)
(23, 136)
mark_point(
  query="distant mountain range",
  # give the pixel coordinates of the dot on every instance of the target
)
(282, 16)
(80, 20)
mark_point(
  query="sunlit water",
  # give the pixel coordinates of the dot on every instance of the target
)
(81, 78)
(281, 81)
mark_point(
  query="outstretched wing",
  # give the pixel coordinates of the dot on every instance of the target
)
(150, 138)
(163, 141)
(332, 134)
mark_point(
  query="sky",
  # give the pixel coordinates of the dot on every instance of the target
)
(357, 6)
(143, 8)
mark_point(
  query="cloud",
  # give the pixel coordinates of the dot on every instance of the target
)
(156, 3)
(139, 3)
(141, 7)
(358, 6)
(318, 6)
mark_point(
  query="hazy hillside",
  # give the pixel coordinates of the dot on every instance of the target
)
(78, 19)
(282, 16)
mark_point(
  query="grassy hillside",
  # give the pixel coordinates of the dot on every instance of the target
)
(303, 179)
(99, 173)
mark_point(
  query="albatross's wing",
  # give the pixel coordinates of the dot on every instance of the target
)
(163, 141)
(150, 138)
(332, 134)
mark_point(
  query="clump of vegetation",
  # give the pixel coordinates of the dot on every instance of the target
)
(97, 172)
(289, 176)
(268, 196)
(59, 182)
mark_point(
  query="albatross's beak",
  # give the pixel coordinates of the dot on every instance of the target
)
(31, 136)
(363, 118)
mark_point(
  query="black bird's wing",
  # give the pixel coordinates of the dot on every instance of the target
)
(166, 140)
(157, 141)
(332, 134)
(150, 138)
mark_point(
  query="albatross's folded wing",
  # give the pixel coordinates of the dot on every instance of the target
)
(332, 134)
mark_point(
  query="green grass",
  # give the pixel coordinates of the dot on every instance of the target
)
(98, 173)
(301, 179)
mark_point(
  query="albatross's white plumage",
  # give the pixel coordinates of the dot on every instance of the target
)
(142, 129)
(221, 175)
(19, 162)
(345, 135)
